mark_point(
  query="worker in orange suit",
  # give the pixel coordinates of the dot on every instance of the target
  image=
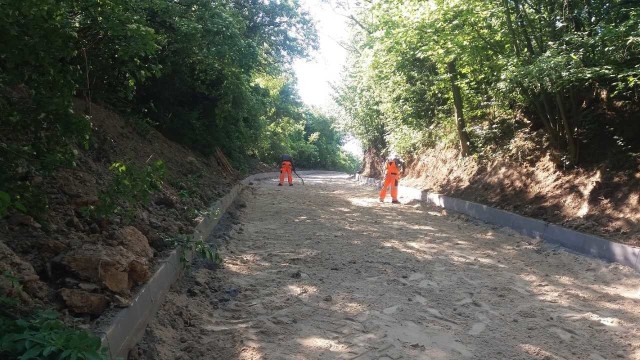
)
(395, 167)
(286, 167)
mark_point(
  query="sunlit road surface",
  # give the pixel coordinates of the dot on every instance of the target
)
(325, 271)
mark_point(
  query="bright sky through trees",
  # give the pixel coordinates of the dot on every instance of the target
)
(315, 76)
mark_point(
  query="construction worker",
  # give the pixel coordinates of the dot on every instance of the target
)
(395, 167)
(286, 167)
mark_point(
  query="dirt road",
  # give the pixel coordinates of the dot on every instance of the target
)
(324, 271)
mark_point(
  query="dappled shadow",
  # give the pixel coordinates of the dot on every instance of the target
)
(327, 272)
(596, 200)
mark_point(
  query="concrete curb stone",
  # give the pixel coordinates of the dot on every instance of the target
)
(127, 327)
(584, 244)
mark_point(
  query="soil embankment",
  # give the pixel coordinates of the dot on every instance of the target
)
(71, 260)
(598, 200)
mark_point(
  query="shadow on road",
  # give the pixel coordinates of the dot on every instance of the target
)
(324, 271)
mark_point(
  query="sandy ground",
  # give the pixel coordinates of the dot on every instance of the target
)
(324, 271)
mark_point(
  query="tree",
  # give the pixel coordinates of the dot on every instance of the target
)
(541, 59)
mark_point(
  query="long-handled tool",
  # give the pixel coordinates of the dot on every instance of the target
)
(301, 179)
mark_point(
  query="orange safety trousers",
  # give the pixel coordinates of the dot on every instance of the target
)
(286, 168)
(390, 180)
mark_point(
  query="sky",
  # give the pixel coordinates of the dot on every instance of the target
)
(316, 75)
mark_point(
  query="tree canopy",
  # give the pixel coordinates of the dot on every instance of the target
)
(426, 71)
(207, 74)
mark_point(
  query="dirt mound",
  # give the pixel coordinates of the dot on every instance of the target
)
(71, 260)
(527, 181)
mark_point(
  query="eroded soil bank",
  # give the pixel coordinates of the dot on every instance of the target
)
(324, 271)
(525, 179)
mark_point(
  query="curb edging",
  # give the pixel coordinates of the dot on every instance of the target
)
(127, 327)
(584, 244)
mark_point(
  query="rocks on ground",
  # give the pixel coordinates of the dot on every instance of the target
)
(83, 302)
(66, 254)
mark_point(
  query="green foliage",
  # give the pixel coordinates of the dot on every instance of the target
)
(40, 334)
(37, 83)
(545, 60)
(29, 198)
(309, 135)
(115, 48)
(187, 187)
(130, 185)
(12, 279)
(191, 68)
(203, 250)
(43, 336)
(5, 202)
(348, 163)
(187, 245)
(207, 95)
(141, 125)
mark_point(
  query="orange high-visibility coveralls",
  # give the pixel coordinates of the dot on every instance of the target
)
(391, 180)
(286, 168)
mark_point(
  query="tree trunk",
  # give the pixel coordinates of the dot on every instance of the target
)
(568, 131)
(465, 142)
(87, 91)
(576, 114)
(550, 114)
(544, 117)
(524, 26)
(512, 32)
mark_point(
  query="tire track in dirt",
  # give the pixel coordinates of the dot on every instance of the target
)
(324, 271)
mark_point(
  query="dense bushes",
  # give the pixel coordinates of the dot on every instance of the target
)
(208, 74)
(423, 72)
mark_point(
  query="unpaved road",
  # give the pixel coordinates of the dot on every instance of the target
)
(324, 271)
